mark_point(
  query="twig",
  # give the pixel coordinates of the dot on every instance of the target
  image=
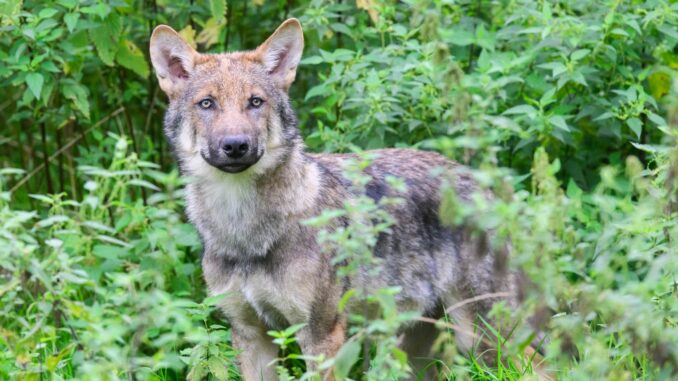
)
(9, 101)
(61, 160)
(456, 328)
(64, 148)
(476, 299)
(45, 158)
(151, 110)
(71, 165)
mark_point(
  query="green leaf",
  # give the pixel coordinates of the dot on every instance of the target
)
(559, 122)
(669, 30)
(50, 67)
(343, 55)
(47, 13)
(603, 116)
(399, 355)
(53, 360)
(620, 32)
(484, 38)
(659, 83)
(347, 356)
(345, 299)
(98, 226)
(102, 10)
(131, 57)
(218, 9)
(105, 38)
(573, 190)
(10, 8)
(42, 198)
(70, 4)
(342, 28)
(35, 82)
(650, 148)
(144, 184)
(214, 299)
(461, 37)
(209, 35)
(635, 125)
(656, 119)
(291, 330)
(109, 239)
(218, 368)
(49, 221)
(547, 98)
(71, 20)
(579, 54)
(198, 372)
(316, 91)
(556, 68)
(109, 251)
(521, 109)
(77, 94)
(312, 60)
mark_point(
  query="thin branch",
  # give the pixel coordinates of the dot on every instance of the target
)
(476, 299)
(45, 158)
(9, 101)
(456, 328)
(64, 148)
(151, 110)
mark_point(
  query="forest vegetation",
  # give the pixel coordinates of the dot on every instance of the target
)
(567, 110)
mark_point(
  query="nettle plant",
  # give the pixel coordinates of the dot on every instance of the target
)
(601, 265)
(582, 79)
(102, 288)
(567, 111)
(559, 97)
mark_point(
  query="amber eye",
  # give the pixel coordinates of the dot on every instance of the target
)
(206, 103)
(256, 102)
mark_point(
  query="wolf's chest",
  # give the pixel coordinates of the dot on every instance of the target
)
(277, 301)
(232, 220)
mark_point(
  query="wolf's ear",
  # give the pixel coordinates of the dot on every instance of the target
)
(173, 59)
(280, 53)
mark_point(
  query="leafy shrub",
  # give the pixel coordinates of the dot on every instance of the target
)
(567, 110)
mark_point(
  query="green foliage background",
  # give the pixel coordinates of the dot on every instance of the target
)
(568, 110)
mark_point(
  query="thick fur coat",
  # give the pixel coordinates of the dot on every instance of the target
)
(251, 185)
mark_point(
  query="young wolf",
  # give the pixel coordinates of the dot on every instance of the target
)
(251, 185)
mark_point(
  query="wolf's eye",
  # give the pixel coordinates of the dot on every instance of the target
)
(256, 102)
(206, 103)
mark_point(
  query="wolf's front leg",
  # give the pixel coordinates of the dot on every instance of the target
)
(323, 336)
(257, 351)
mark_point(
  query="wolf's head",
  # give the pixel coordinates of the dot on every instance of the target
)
(229, 112)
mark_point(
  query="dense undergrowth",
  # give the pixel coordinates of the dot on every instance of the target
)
(567, 110)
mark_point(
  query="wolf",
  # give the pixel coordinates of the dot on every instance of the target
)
(251, 185)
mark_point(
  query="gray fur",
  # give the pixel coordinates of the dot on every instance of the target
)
(257, 250)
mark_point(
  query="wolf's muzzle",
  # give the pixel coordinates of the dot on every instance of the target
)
(233, 153)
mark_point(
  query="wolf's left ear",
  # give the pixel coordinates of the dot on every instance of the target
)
(280, 53)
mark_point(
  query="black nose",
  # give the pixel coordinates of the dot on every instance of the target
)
(235, 147)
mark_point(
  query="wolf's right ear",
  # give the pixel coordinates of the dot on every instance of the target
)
(173, 59)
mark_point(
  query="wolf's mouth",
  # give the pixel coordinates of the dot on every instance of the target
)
(235, 167)
(229, 165)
